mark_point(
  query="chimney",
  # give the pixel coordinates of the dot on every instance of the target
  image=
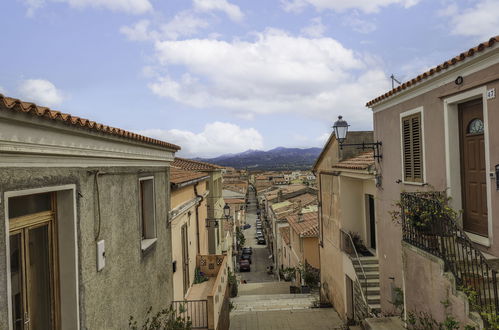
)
(300, 216)
(279, 196)
(298, 206)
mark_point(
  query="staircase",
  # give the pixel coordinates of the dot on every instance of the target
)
(272, 302)
(368, 275)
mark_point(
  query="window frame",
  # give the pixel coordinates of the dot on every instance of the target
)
(147, 239)
(404, 115)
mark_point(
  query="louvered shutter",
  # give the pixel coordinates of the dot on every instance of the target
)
(412, 148)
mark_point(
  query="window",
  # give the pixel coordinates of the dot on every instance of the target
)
(412, 148)
(147, 211)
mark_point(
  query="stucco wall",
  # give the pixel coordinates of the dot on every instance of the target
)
(131, 280)
(427, 287)
(311, 251)
(387, 130)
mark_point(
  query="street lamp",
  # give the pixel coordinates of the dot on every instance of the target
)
(226, 209)
(341, 129)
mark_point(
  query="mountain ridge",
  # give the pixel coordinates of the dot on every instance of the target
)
(280, 158)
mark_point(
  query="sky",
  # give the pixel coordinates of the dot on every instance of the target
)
(225, 76)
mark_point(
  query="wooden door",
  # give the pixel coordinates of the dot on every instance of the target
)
(33, 263)
(473, 176)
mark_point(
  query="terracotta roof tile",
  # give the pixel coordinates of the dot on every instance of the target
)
(8, 103)
(285, 234)
(188, 164)
(459, 58)
(178, 175)
(362, 161)
(309, 227)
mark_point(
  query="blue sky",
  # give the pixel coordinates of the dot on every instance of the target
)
(224, 76)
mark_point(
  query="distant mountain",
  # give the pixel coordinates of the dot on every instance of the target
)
(276, 159)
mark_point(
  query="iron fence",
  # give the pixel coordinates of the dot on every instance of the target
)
(194, 310)
(428, 225)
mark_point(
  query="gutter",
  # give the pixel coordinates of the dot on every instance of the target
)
(201, 198)
(188, 183)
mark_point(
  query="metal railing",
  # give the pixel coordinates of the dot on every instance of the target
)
(348, 247)
(428, 225)
(194, 310)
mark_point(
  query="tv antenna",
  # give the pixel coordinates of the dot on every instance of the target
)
(394, 80)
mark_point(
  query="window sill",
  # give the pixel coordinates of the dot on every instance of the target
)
(485, 241)
(147, 243)
(413, 183)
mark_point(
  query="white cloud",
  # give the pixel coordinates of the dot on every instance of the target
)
(40, 91)
(315, 29)
(217, 138)
(2, 90)
(127, 6)
(275, 73)
(183, 24)
(231, 10)
(357, 24)
(481, 21)
(366, 6)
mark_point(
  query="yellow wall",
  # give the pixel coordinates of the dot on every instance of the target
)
(311, 251)
(188, 217)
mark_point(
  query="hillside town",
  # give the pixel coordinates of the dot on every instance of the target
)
(391, 224)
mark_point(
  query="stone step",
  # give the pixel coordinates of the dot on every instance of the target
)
(366, 260)
(373, 299)
(368, 275)
(257, 303)
(370, 282)
(367, 268)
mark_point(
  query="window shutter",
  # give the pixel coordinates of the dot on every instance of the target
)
(412, 148)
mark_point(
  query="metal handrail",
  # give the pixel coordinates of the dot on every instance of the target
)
(439, 234)
(364, 294)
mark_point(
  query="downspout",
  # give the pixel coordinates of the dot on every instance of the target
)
(197, 214)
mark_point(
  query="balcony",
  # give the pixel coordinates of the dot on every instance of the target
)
(207, 304)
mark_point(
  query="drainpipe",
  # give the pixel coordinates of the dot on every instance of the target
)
(197, 214)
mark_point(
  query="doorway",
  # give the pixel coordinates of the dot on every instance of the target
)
(185, 258)
(473, 170)
(33, 262)
(371, 220)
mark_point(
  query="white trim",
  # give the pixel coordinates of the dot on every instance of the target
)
(469, 66)
(452, 150)
(147, 243)
(485, 241)
(15, 193)
(402, 115)
(29, 139)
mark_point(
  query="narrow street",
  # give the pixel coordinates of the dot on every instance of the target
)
(265, 303)
(260, 256)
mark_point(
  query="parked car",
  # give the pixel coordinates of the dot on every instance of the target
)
(246, 257)
(258, 233)
(247, 250)
(244, 265)
(261, 241)
(258, 227)
(246, 226)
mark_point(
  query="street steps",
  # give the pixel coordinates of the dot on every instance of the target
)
(369, 280)
(272, 302)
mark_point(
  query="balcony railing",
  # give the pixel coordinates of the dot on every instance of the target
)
(427, 225)
(194, 310)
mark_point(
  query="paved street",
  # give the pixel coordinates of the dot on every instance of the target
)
(260, 257)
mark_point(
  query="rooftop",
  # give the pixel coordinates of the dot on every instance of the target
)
(309, 227)
(16, 105)
(188, 164)
(362, 161)
(179, 176)
(439, 68)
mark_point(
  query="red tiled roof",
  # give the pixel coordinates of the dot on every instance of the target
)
(285, 234)
(309, 227)
(360, 162)
(459, 58)
(188, 164)
(74, 121)
(178, 175)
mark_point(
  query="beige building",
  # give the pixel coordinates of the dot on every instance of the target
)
(439, 134)
(84, 238)
(349, 271)
(188, 226)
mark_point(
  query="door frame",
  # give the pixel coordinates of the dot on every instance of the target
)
(453, 155)
(71, 212)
